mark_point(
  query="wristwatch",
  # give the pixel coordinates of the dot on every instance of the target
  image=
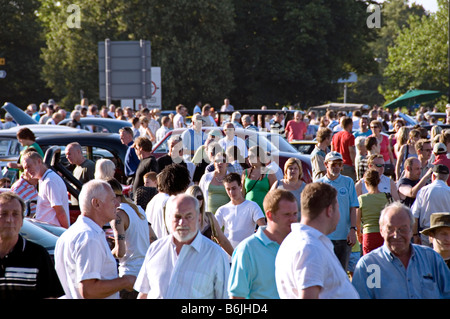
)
(353, 227)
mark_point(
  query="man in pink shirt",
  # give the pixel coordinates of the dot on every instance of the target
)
(296, 128)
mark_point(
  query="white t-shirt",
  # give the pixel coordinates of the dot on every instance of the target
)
(155, 211)
(178, 121)
(52, 192)
(239, 221)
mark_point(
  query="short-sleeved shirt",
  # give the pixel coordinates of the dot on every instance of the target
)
(318, 163)
(252, 273)
(347, 198)
(239, 221)
(295, 130)
(27, 273)
(306, 259)
(52, 192)
(82, 253)
(341, 142)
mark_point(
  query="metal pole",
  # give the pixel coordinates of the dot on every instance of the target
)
(143, 73)
(107, 73)
(448, 48)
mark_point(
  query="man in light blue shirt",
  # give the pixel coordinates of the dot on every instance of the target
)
(344, 237)
(252, 273)
(399, 269)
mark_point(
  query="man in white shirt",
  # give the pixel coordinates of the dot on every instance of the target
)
(53, 202)
(178, 119)
(239, 217)
(83, 259)
(306, 266)
(185, 264)
(433, 198)
(231, 139)
(193, 137)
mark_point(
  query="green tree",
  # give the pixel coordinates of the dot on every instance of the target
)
(394, 16)
(292, 52)
(70, 55)
(419, 57)
(186, 38)
(21, 39)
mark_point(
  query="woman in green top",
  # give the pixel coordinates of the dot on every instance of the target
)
(368, 213)
(27, 139)
(257, 180)
(217, 195)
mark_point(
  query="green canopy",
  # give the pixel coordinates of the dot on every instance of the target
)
(414, 97)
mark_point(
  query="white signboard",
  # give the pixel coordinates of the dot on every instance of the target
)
(155, 102)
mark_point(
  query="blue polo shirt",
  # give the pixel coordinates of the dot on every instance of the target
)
(252, 273)
(347, 198)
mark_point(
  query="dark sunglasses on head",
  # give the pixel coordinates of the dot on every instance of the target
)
(199, 197)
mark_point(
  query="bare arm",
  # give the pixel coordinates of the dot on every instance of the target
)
(119, 226)
(310, 292)
(61, 216)
(261, 222)
(97, 289)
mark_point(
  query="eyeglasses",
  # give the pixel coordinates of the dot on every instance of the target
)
(199, 197)
(379, 165)
(374, 127)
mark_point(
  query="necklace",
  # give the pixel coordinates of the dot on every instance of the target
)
(219, 180)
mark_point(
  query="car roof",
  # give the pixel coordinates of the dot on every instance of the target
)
(103, 140)
(41, 130)
(113, 125)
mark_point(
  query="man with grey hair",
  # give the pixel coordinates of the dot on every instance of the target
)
(247, 123)
(400, 269)
(184, 264)
(83, 259)
(430, 199)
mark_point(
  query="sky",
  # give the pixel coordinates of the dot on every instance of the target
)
(429, 5)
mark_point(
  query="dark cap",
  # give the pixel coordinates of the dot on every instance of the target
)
(440, 169)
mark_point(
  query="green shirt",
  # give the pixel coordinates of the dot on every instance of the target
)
(371, 206)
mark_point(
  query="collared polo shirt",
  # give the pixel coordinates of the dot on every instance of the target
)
(252, 273)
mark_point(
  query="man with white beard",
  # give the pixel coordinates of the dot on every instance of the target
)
(184, 264)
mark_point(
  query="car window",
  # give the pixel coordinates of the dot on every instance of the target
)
(10, 147)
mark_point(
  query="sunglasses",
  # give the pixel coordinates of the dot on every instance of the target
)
(379, 165)
(374, 127)
(199, 197)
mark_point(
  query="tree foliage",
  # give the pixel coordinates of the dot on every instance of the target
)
(418, 58)
(20, 43)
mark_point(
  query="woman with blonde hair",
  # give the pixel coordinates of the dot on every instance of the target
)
(144, 130)
(132, 235)
(209, 226)
(104, 169)
(407, 150)
(292, 180)
(401, 138)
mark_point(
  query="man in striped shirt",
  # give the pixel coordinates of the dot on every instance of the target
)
(25, 187)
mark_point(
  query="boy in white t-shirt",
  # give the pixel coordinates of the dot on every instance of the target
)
(239, 217)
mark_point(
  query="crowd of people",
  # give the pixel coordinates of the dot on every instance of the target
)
(215, 219)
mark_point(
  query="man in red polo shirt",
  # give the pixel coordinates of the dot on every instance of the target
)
(344, 142)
